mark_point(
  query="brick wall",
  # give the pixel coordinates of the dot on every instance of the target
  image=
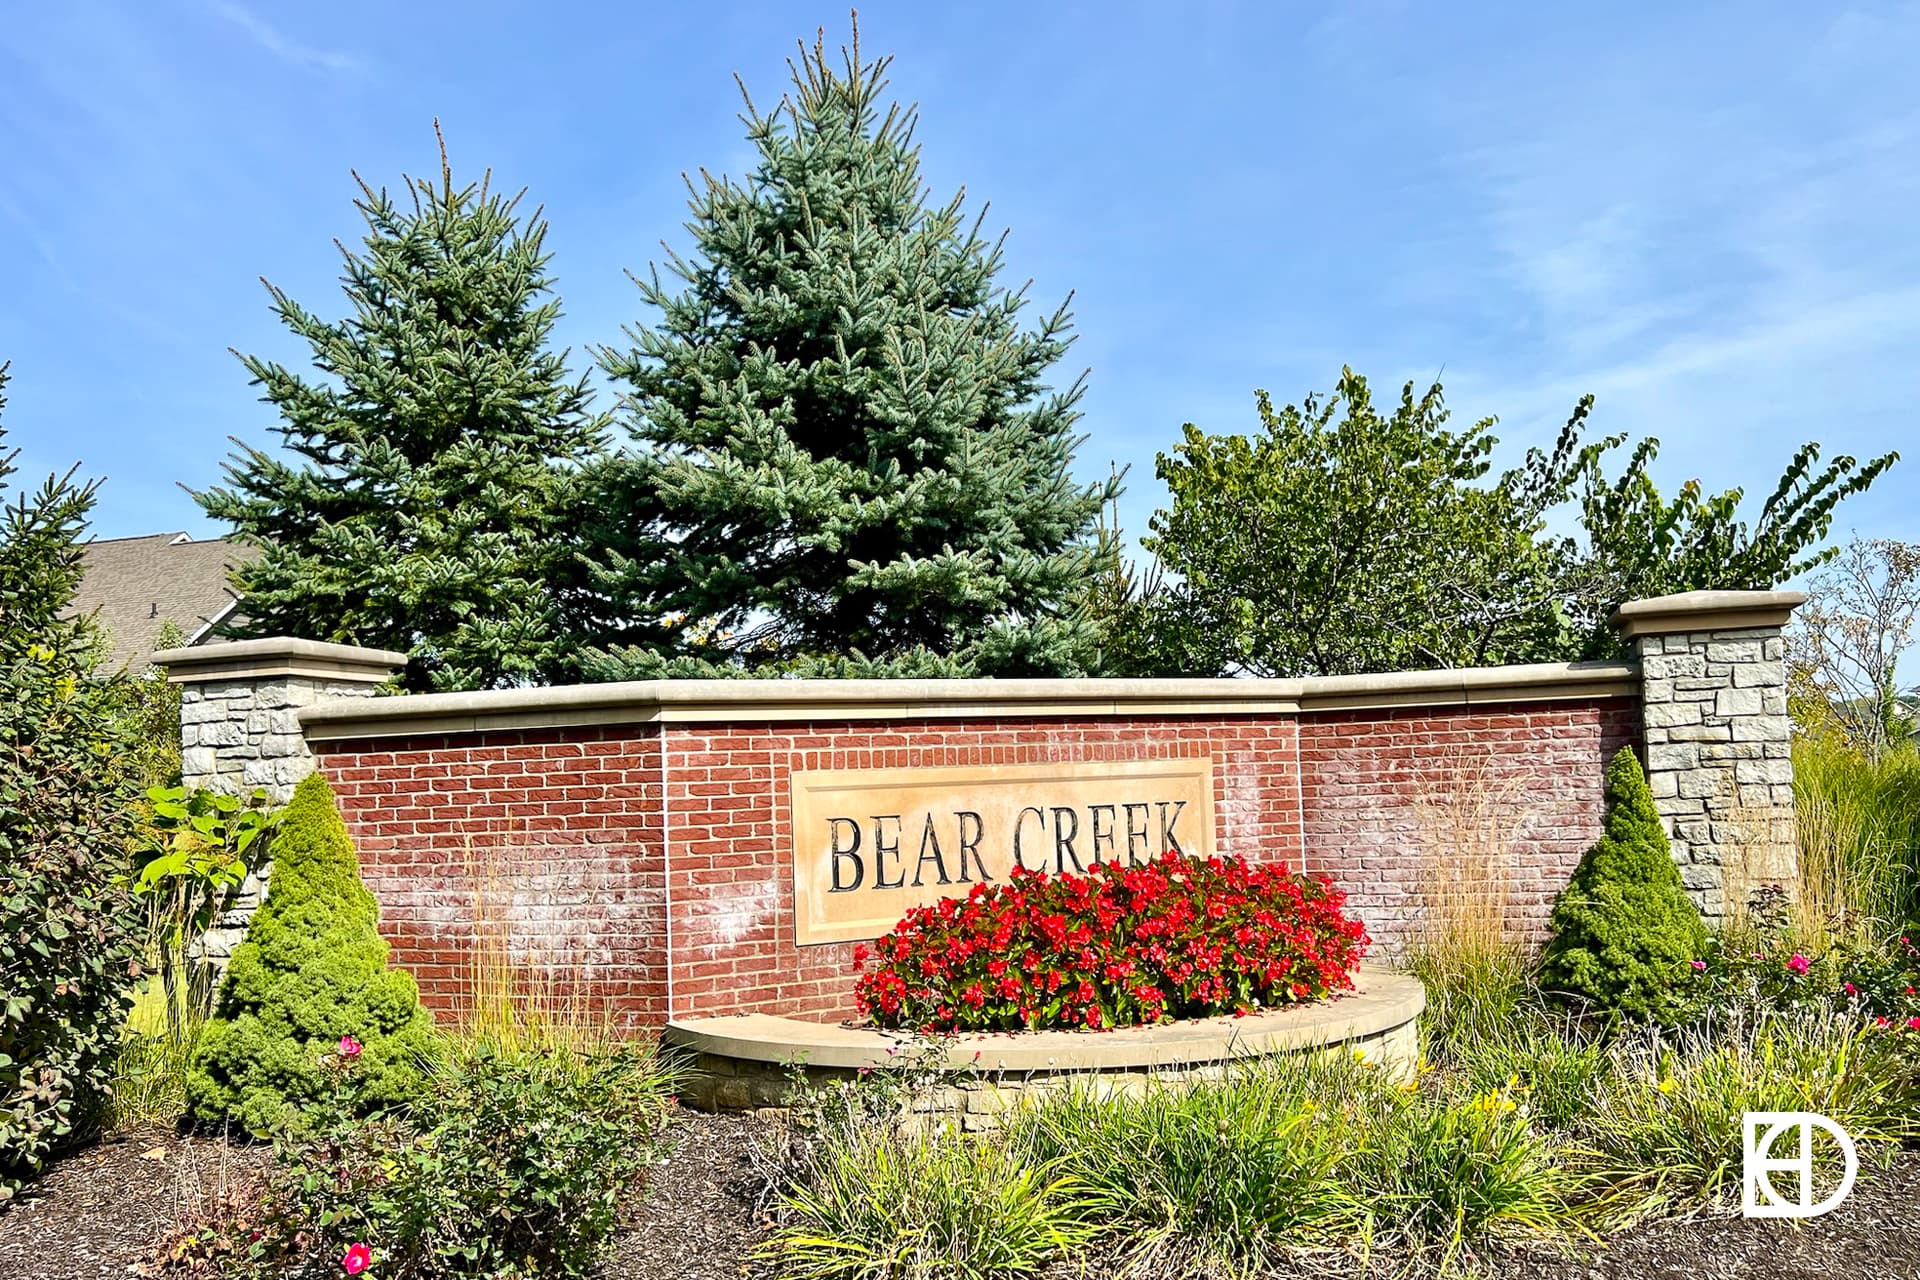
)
(543, 844)
(1515, 787)
(589, 848)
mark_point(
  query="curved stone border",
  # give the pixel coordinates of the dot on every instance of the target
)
(744, 1061)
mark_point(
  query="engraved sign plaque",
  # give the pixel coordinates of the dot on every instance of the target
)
(870, 843)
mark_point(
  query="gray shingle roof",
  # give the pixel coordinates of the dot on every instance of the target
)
(133, 586)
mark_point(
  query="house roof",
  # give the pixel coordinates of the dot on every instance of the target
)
(134, 586)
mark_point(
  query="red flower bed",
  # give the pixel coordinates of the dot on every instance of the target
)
(1119, 946)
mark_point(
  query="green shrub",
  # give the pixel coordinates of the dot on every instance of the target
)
(313, 968)
(69, 927)
(1625, 932)
(513, 1166)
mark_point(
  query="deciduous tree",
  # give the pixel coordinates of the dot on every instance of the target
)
(1341, 538)
(69, 925)
(1847, 642)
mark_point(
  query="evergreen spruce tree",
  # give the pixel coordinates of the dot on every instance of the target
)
(851, 460)
(313, 969)
(1624, 929)
(435, 506)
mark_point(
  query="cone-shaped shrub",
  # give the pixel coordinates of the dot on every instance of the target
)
(313, 969)
(1624, 930)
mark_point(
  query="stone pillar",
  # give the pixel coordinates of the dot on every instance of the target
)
(240, 726)
(1719, 746)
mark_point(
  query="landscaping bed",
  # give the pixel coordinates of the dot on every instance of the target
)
(98, 1212)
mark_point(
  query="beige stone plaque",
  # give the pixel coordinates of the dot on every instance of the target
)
(870, 843)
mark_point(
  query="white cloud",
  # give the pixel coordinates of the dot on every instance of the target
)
(283, 46)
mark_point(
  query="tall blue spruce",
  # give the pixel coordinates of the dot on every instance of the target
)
(433, 501)
(850, 458)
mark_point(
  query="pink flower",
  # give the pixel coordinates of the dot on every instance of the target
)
(350, 1049)
(1699, 965)
(1850, 989)
(358, 1258)
(1799, 963)
(1913, 1024)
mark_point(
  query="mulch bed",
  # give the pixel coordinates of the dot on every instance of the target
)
(703, 1214)
(1871, 1236)
(96, 1214)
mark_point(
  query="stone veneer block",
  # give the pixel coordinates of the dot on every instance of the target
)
(240, 728)
(1718, 743)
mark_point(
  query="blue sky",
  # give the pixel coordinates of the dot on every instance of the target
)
(1703, 214)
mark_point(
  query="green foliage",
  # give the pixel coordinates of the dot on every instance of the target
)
(851, 461)
(880, 1202)
(153, 719)
(513, 1166)
(1442, 1171)
(190, 857)
(1541, 1125)
(155, 1056)
(69, 927)
(1472, 996)
(1217, 1177)
(435, 506)
(1343, 539)
(313, 968)
(1625, 933)
(1554, 1063)
(1635, 543)
(1222, 1174)
(1669, 1112)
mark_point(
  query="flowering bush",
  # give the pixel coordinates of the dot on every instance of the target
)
(514, 1165)
(1118, 946)
(1768, 970)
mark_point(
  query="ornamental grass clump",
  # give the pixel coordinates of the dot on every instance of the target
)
(1625, 932)
(313, 969)
(1180, 937)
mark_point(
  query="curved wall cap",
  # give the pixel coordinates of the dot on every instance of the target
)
(1385, 1000)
